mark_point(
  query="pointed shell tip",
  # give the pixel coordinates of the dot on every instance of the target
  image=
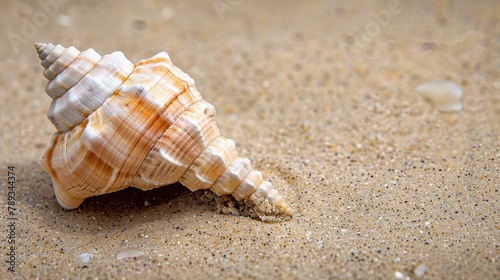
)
(40, 46)
(284, 209)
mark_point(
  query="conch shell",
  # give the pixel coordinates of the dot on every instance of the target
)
(143, 125)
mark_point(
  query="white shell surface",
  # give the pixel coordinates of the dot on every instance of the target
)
(129, 253)
(445, 95)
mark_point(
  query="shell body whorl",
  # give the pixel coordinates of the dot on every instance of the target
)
(143, 125)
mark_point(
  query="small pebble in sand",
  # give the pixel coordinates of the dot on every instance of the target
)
(399, 275)
(420, 270)
(85, 257)
(361, 69)
(46, 190)
(429, 46)
(129, 253)
(445, 95)
(139, 24)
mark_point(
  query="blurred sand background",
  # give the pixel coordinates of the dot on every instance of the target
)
(383, 185)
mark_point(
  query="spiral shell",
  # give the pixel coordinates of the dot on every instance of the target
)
(143, 125)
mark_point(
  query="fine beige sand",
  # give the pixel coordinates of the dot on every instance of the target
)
(320, 96)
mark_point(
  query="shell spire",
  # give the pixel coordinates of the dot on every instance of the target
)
(143, 125)
(39, 47)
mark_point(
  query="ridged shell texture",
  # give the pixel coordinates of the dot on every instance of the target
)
(143, 125)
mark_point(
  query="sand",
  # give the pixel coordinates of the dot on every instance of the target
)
(320, 96)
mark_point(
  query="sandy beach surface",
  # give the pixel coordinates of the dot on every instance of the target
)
(320, 96)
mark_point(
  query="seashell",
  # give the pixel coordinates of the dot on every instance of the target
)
(85, 257)
(420, 270)
(445, 95)
(143, 125)
(129, 253)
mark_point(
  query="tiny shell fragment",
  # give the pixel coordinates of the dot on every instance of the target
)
(399, 275)
(85, 257)
(129, 253)
(420, 270)
(445, 95)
